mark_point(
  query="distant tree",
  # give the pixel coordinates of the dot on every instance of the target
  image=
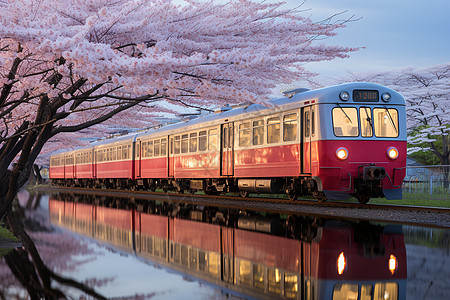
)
(67, 65)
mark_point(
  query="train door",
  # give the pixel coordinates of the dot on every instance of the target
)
(227, 149)
(138, 157)
(306, 137)
(170, 153)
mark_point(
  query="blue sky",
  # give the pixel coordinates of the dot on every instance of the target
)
(396, 33)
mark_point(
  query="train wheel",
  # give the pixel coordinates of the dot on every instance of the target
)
(363, 199)
(292, 197)
(320, 196)
(243, 194)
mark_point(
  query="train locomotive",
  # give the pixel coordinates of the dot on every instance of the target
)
(332, 143)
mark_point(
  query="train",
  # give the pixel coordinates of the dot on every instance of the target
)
(342, 141)
(246, 254)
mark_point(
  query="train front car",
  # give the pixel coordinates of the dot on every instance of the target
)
(360, 147)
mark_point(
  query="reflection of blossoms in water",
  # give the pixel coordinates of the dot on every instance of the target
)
(60, 250)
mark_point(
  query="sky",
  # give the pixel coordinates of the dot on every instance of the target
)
(395, 33)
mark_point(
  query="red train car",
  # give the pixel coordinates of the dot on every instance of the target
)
(333, 143)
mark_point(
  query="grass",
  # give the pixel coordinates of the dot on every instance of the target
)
(7, 236)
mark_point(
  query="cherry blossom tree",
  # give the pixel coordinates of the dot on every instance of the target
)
(68, 65)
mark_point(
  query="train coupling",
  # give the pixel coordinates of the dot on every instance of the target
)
(373, 173)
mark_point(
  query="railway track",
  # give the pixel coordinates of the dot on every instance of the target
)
(404, 214)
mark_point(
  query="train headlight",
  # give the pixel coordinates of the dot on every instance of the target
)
(386, 97)
(342, 153)
(392, 153)
(341, 263)
(345, 96)
(393, 264)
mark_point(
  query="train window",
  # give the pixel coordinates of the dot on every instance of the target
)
(258, 277)
(307, 123)
(313, 123)
(385, 122)
(163, 253)
(157, 144)
(385, 288)
(193, 258)
(274, 280)
(213, 263)
(171, 145)
(114, 153)
(177, 146)
(184, 143)
(125, 151)
(150, 149)
(244, 134)
(366, 292)
(245, 272)
(144, 149)
(258, 132)
(291, 286)
(193, 142)
(345, 291)
(290, 127)
(273, 130)
(365, 117)
(212, 139)
(119, 153)
(225, 137)
(184, 255)
(163, 147)
(202, 140)
(345, 121)
(202, 261)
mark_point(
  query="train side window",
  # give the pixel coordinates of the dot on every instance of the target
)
(245, 272)
(193, 258)
(291, 286)
(212, 139)
(258, 132)
(274, 280)
(124, 152)
(144, 149)
(114, 153)
(244, 134)
(157, 147)
(184, 143)
(171, 145)
(313, 123)
(225, 137)
(177, 145)
(163, 147)
(290, 127)
(202, 139)
(307, 123)
(119, 153)
(273, 130)
(213, 263)
(150, 149)
(345, 121)
(184, 255)
(258, 277)
(202, 261)
(193, 142)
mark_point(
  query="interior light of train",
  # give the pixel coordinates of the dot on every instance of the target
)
(345, 96)
(341, 263)
(393, 264)
(386, 97)
(392, 153)
(342, 153)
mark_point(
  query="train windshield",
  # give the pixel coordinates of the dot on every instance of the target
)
(381, 122)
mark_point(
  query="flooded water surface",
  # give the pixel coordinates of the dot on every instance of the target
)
(96, 246)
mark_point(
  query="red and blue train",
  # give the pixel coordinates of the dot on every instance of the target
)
(332, 143)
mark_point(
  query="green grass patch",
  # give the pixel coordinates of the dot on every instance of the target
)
(6, 236)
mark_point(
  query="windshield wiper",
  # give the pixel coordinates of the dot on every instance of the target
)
(345, 113)
(390, 118)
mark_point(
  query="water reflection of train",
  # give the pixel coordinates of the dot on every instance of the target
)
(259, 256)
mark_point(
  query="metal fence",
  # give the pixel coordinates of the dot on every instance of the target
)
(427, 182)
